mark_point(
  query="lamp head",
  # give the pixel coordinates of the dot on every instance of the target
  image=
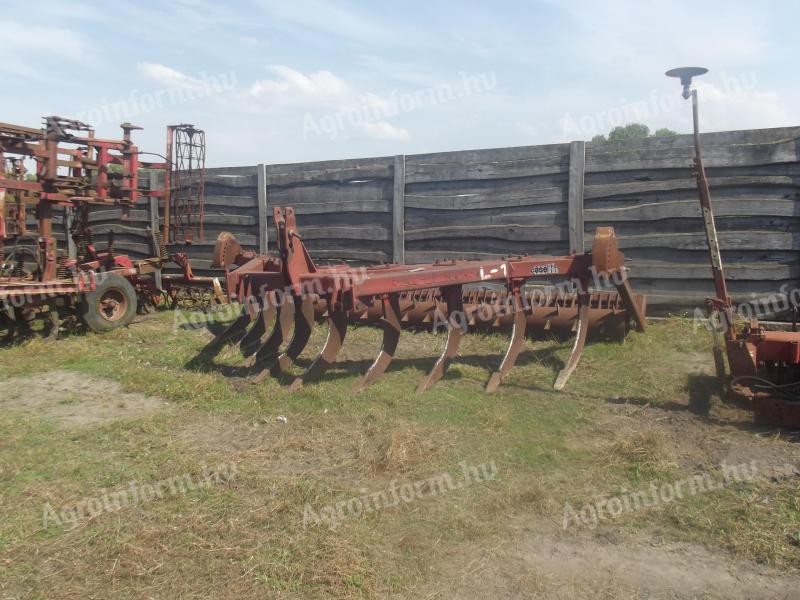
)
(685, 74)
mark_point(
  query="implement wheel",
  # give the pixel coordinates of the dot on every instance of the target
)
(111, 305)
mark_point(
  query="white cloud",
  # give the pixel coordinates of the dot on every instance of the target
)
(290, 84)
(325, 95)
(168, 76)
(723, 107)
(382, 130)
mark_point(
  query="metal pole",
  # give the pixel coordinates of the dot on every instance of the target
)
(167, 185)
(717, 269)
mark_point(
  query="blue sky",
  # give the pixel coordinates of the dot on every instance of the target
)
(304, 80)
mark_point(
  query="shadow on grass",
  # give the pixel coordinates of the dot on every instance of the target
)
(545, 357)
(701, 390)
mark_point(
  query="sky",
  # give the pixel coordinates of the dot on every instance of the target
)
(303, 80)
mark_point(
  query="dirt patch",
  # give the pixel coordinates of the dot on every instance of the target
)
(283, 448)
(695, 442)
(320, 447)
(540, 562)
(73, 399)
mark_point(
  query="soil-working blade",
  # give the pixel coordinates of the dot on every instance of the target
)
(580, 340)
(456, 327)
(337, 330)
(258, 335)
(250, 338)
(235, 329)
(52, 325)
(514, 345)
(391, 335)
(303, 325)
(635, 309)
(265, 356)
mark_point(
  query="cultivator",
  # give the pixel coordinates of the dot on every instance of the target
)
(73, 170)
(285, 292)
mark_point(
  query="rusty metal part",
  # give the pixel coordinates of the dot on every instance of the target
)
(764, 365)
(226, 249)
(424, 294)
(514, 345)
(390, 307)
(455, 329)
(74, 169)
(185, 206)
(545, 310)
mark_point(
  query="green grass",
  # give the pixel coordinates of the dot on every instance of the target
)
(247, 538)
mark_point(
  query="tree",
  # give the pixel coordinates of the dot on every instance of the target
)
(631, 131)
(665, 132)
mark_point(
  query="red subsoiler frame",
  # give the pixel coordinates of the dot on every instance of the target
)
(282, 290)
(73, 169)
(764, 364)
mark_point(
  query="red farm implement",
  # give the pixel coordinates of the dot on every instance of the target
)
(74, 170)
(282, 293)
(764, 365)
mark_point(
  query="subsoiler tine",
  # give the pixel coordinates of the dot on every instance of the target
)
(303, 324)
(455, 329)
(627, 296)
(514, 345)
(53, 323)
(254, 307)
(266, 355)
(232, 331)
(391, 335)
(337, 330)
(580, 341)
(266, 317)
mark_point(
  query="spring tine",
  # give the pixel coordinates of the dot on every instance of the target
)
(580, 340)
(254, 307)
(337, 330)
(455, 330)
(232, 331)
(265, 356)
(514, 345)
(267, 316)
(391, 335)
(53, 323)
(625, 291)
(303, 324)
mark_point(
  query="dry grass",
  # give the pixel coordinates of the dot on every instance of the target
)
(248, 539)
(400, 449)
(645, 453)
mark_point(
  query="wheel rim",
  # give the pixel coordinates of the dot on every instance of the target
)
(112, 305)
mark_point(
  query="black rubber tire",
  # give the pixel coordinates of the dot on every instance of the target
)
(117, 288)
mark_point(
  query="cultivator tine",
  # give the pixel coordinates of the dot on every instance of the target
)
(265, 356)
(303, 324)
(257, 336)
(233, 330)
(252, 307)
(626, 293)
(580, 339)
(268, 316)
(53, 323)
(391, 335)
(337, 330)
(514, 345)
(456, 327)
